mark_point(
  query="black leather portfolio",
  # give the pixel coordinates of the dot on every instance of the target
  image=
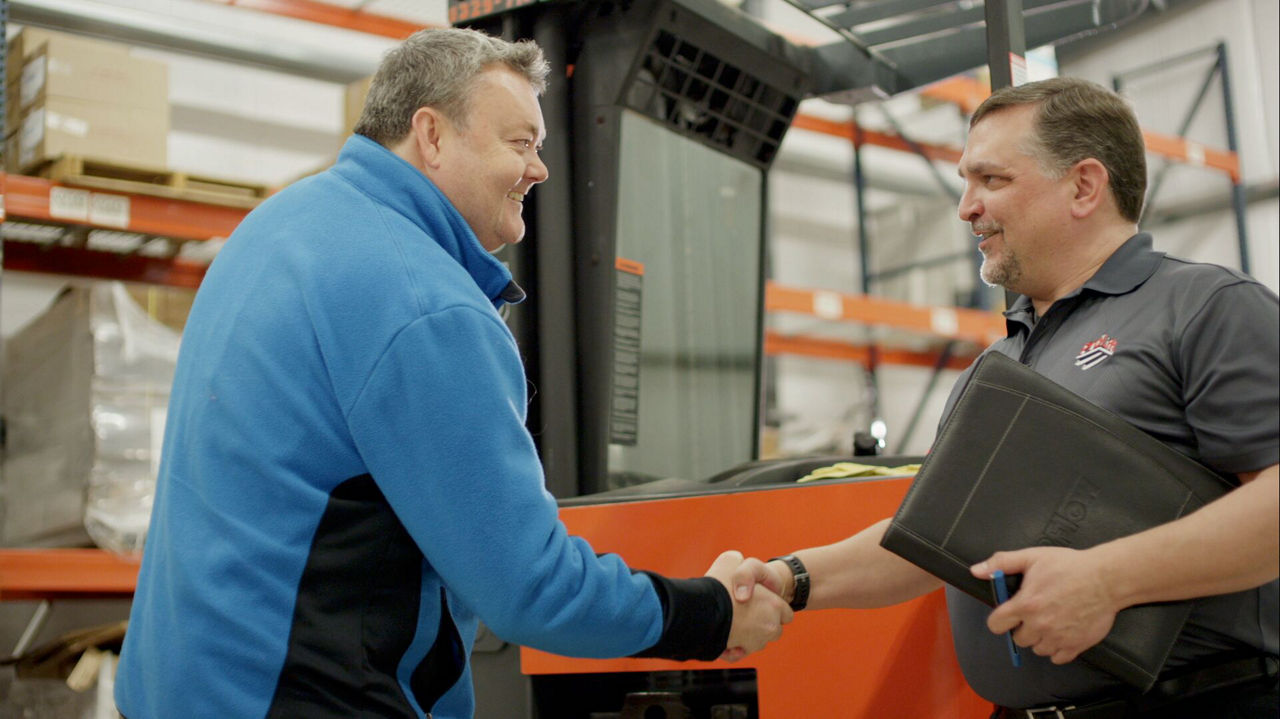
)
(1024, 462)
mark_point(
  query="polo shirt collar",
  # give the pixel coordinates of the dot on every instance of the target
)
(1127, 268)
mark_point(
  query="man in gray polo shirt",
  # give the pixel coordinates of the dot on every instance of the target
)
(1055, 175)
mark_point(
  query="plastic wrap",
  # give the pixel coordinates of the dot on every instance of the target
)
(86, 391)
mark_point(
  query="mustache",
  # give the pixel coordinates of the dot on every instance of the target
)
(981, 228)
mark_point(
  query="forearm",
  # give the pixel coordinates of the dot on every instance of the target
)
(697, 614)
(1229, 545)
(857, 573)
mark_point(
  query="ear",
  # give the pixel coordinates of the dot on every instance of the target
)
(1092, 186)
(430, 130)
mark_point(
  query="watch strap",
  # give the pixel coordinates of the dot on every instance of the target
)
(800, 597)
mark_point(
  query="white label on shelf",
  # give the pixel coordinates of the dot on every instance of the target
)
(109, 210)
(68, 204)
(1195, 153)
(944, 321)
(828, 305)
(32, 81)
(1, 215)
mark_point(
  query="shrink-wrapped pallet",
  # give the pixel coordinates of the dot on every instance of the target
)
(86, 389)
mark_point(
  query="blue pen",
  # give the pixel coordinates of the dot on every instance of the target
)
(1002, 596)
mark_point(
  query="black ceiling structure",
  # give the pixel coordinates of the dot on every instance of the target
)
(890, 46)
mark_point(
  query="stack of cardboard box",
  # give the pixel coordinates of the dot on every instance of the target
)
(353, 103)
(76, 96)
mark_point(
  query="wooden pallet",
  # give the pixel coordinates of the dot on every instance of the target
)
(117, 177)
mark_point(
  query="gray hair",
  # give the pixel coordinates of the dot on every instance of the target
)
(1077, 119)
(437, 68)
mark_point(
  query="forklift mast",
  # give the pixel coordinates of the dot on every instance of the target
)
(643, 260)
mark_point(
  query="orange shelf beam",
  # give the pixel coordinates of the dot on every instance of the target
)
(29, 198)
(967, 93)
(776, 343)
(1193, 153)
(66, 573)
(958, 323)
(335, 15)
(847, 130)
(81, 262)
(961, 90)
(472, 9)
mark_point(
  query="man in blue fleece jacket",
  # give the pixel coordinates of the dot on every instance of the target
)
(347, 483)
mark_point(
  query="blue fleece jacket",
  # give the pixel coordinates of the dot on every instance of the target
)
(347, 482)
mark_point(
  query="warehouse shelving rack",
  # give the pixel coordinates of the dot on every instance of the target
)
(1195, 153)
(79, 210)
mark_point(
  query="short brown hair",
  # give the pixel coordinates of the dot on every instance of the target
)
(1075, 120)
(437, 68)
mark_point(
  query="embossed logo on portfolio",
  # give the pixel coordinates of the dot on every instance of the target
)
(1070, 515)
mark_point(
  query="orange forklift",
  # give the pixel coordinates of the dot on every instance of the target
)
(645, 262)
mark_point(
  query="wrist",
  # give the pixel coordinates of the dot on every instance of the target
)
(1115, 583)
(786, 581)
(796, 589)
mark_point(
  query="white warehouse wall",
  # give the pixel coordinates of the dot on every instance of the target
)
(1249, 30)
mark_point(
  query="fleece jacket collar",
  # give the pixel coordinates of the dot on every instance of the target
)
(388, 179)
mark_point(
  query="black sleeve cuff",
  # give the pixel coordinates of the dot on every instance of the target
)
(696, 617)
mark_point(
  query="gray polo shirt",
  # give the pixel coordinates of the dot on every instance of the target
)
(1189, 353)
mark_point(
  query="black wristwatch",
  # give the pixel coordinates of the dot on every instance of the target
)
(801, 595)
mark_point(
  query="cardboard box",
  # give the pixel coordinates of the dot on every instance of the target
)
(354, 105)
(167, 305)
(87, 73)
(114, 133)
(17, 49)
(48, 375)
(12, 115)
(11, 153)
(94, 75)
(32, 40)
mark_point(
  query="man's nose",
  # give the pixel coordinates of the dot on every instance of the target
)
(969, 208)
(537, 171)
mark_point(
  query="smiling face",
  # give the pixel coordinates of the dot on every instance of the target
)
(1020, 213)
(487, 164)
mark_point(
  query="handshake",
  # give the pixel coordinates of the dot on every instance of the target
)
(758, 611)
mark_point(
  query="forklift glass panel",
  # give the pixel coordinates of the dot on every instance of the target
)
(687, 308)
